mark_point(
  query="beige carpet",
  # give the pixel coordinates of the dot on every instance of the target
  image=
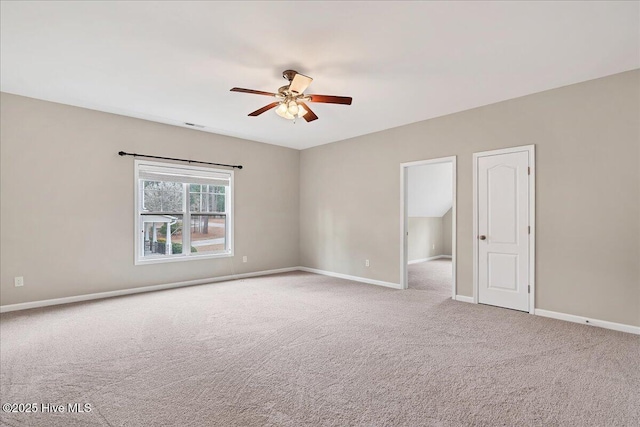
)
(433, 276)
(305, 350)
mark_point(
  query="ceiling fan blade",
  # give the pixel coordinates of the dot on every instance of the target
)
(256, 92)
(265, 108)
(329, 99)
(310, 116)
(300, 83)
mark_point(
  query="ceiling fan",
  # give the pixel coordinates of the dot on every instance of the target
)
(291, 102)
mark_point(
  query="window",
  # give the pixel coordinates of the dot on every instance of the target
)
(182, 212)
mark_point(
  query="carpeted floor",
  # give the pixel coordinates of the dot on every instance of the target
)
(300, 349)
(434, 276)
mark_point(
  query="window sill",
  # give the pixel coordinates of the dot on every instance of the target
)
(145, 261)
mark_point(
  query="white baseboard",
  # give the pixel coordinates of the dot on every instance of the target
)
(416, 261)
(575, 319)
(100, 295)
(588, 321)
(354, 278)
(464, 298)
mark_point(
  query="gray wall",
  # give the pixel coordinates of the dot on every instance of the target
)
(425, 238)
(67, 200)
(587, 139)
(447, 233)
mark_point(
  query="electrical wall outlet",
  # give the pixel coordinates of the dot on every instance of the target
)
(366, 263)
(244, 258)
(18, 281)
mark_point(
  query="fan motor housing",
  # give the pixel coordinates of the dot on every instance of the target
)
(289, 75)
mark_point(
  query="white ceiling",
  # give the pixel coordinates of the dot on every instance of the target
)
(402, 62)
(429, 190)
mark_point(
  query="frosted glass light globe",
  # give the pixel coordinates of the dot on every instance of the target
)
(293, 108)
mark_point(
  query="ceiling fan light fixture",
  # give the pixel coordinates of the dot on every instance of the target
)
(283, 112)
(293, 108)
(291, 99)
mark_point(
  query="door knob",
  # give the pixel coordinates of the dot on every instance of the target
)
(482, 237)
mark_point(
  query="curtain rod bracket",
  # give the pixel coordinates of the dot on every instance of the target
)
(123, 153)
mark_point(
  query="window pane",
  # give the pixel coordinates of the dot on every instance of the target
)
(162, 235)
(195, 199)
(208, 233)
(218, 203)
(160, 196)
(209, 199)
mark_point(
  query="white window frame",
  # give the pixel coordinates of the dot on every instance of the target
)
(139, 258)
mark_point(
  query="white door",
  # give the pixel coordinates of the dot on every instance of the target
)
(503, 229)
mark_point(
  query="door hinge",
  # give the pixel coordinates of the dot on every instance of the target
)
(529, 229)
(528, 289)
(528, 170)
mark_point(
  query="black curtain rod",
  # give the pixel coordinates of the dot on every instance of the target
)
(122, 153)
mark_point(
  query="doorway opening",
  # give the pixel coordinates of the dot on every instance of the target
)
(428, 225)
